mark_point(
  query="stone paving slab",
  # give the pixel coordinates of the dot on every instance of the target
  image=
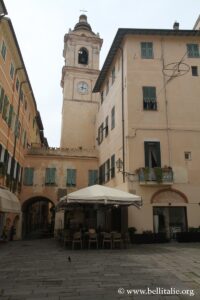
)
(39, 270)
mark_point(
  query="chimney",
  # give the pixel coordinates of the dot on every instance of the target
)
(176, 26)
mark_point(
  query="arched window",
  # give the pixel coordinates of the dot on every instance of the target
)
(83, 56)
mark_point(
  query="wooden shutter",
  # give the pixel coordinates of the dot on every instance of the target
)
(92, 177)
(71, 177)
(113, 166)
(1, 98)
(52, 174)
(47, 176)
(10, 115)
(113, 117)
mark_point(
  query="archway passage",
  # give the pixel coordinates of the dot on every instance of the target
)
(38, 218)
(169, 212)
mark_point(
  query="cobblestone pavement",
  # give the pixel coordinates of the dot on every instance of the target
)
(40, 270)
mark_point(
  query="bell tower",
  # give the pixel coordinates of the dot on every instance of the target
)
(81, 53)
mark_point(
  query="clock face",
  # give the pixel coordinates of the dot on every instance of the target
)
(83, 87)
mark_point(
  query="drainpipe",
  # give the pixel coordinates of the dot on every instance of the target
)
(123, 130)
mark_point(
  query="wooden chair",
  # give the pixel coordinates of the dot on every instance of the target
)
(107, 239)
(77, 239)
(117, 239)
(92, 239)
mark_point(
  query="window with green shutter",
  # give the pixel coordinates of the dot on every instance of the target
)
(92, 177)
(149, 98)
(113, 166)
(50, 176)
(5, 108)
(113, 118)
(193, 50)
(10, 116)
(1, 98)
(147, 50)
(3, 50)
(107, 170)
(71, 177)
(106, 127)
(28, 176)
(12, 70)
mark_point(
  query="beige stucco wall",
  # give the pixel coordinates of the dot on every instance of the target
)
(176, 123)
(40, 159)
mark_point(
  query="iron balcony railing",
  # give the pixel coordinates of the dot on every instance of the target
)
(159, 175)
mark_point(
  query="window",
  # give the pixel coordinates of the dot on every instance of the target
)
(147, 50)
(10, 116)
(102, 174)
(107, 170)
(113, 75)
(21, 96)
(149, 98)
(50, 176)
(113, 118)
(106, 127)
(3, 50)
(17, 127)
(193, 50)
(102, 97)
(17, 85)
(28, 176)
(12, 70)
(92, 177)
(194, 71)
(83, 56)
(188, 155)
(113, 166)
(1, 98)
(100, 134)
(5, 108)
(71, 177)
(152, 154)
(107, 87)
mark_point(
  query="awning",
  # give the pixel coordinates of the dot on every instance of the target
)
(102, 195)
(9, 202)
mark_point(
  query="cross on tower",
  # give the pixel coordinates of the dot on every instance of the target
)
(83, 10)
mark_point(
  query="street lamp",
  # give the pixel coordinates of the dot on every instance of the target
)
(119, 165)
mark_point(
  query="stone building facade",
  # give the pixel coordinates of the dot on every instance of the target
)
(133, 126)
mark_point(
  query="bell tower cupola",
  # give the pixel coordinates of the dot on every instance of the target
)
(81, 55)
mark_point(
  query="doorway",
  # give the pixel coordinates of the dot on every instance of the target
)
(170, 220)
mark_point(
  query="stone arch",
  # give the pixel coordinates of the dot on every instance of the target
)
(169, 195)
(38, 217)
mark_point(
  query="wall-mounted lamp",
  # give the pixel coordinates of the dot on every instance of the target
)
(119, 165)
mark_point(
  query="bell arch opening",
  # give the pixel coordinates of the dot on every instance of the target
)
(83, 56)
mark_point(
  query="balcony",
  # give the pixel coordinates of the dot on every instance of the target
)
(155, 176)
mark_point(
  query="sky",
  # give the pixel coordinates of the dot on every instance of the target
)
(40, 26)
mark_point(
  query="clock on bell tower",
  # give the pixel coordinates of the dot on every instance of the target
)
(81, 53)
